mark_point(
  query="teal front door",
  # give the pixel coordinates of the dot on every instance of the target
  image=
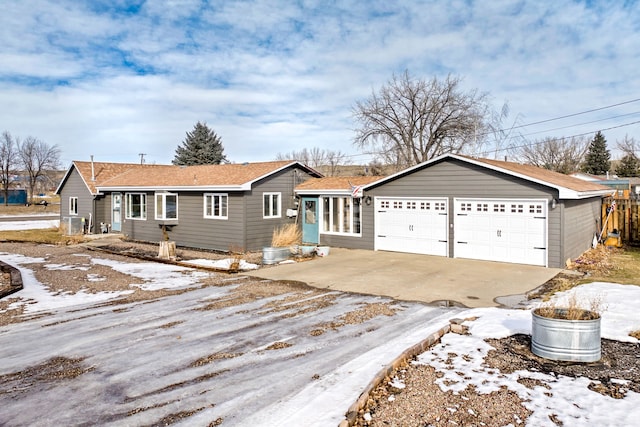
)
(310, 226)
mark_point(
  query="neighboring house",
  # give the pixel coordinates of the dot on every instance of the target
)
(634, 183)
(622, 186)
(461, 207)
(220, 207)
(16, 197)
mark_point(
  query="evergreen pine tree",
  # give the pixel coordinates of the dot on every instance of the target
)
(201, 147)
(597, 161)
(628, 166)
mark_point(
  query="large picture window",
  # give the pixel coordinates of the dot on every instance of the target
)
(136, 206)
(166, 206)
(73, 206)
(216, 206)
(341, 215)
(271, 203)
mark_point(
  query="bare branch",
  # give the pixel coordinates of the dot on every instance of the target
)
(409, 121)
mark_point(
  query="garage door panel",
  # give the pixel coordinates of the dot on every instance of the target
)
(501, 230)
(414, 225)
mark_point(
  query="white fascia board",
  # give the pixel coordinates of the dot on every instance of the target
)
(577, 195)
(320, 193)
(207, 188)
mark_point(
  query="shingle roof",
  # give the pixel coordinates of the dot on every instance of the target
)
(545, 175)
(336, 182)
(170, 176)
(101, 172)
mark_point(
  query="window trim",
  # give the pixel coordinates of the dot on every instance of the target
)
(143, 206)
(163, 195)
(328, 228)
(279, 208)
(73, 205)
(213, 215)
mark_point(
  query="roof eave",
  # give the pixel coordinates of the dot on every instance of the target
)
(567, 194)
(130, 188)
(301, 165)
(323, 192)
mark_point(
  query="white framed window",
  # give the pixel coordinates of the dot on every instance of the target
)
(341, 215)
(271, 205)
(136, 206)
(216, 206)
(73, 206)
(166, 206)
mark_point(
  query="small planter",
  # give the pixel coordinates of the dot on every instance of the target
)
(322, 250)
(306, 250)
(271, 255)
(559, 338)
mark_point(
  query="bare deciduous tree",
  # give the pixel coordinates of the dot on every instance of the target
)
(318, 158)
(562, 155)
(629, 146)
(37, 158)
(409, 121)
(501, 138)
(8, 162)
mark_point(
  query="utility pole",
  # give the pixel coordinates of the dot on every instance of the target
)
(142, 157)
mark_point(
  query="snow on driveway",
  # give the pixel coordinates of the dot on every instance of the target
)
(195, 357)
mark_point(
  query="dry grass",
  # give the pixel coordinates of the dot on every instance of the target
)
(573, 310)
(53, 208)
(286, 235)
(635, 334)
(51, 236)
(596, 265)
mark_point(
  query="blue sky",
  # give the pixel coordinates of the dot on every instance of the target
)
(117, 78)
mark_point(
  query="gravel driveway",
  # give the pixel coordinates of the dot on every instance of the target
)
(98, 338)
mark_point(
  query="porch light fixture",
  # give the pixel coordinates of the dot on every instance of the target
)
(554, 203)
(367, 200)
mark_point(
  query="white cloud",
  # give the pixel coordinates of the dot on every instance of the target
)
(101, 79)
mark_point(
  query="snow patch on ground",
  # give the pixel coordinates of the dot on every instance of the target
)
(460, 360)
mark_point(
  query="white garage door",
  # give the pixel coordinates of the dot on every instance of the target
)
(501, 230)
(415, 225)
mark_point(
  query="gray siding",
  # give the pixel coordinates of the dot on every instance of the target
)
(260, 230)
(245, 227)
(74, 186)
(102, 212)
(581, 221)
(194, 230)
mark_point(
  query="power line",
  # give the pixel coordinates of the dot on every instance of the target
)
(566, 137)
(583, 123)
(576, 114)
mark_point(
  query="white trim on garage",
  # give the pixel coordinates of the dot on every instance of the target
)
(504, 230)
(412, 224)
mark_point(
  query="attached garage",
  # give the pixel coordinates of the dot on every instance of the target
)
(464, 207)
(416, 225)
(501, 230)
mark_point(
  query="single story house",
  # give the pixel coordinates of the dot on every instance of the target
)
(220, 207)
(461, 207)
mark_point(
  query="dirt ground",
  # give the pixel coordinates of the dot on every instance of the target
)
(420, 403)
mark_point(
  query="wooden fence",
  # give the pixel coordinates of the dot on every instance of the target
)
(622, 219)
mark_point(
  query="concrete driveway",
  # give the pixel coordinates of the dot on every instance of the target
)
(413, 277)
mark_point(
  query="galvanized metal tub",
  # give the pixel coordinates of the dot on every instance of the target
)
(271, 255)
(567, 340)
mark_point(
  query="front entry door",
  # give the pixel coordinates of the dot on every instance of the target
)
(310, 226)
(116, 212)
